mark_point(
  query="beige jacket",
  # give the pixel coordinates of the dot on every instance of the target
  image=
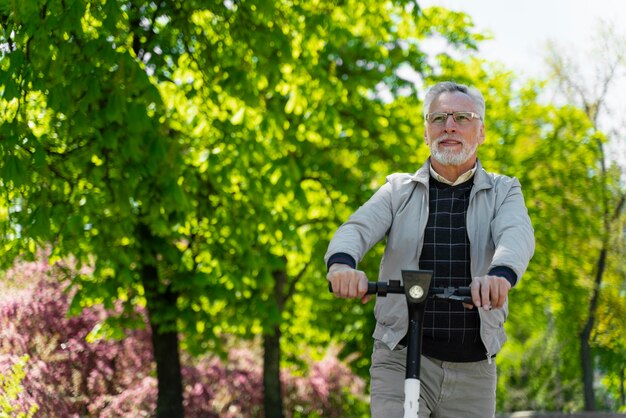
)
(498, 227)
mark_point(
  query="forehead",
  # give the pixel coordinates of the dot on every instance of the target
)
(452, 102)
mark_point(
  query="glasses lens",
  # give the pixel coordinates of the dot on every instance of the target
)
(462, 117)
(437, 118)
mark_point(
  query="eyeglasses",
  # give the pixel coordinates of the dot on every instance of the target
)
(462, 118)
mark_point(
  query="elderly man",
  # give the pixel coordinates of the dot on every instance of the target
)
(471, 228)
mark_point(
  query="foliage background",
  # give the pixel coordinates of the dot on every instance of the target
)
(221, 143)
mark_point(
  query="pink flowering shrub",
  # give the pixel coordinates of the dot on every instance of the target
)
(329, 390)
(65, 373)
(67, 376)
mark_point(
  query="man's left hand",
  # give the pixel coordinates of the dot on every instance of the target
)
(490, 292)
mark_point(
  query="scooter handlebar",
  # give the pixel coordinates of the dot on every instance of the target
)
(461, 294)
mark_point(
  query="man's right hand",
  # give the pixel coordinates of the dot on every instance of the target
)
(348, 282)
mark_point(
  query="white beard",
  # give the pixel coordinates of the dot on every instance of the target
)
(451, 157)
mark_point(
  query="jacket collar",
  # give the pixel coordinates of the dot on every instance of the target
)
(482, 180)
(423, 174)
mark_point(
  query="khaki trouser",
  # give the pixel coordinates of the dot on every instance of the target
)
(448, 390)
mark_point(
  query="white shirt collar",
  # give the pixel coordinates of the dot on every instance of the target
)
(462, 178)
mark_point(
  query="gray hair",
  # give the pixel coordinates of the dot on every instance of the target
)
(451, 87)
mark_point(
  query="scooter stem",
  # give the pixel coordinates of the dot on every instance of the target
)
(416, 286)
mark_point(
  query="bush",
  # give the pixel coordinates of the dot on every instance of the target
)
(67, 376)
(12, 402)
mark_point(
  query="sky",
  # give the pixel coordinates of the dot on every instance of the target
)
(521, 30)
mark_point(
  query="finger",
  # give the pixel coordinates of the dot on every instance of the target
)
(348, 287)
(338, 286)
(342, 285)
(355, 281)
(496, 296)
(475, 289)
(362, 286)
(501, 295)
(495, 291)
(503, 290)
(485, 295)
(468, 305)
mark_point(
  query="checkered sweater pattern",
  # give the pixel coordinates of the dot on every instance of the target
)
(451, 332)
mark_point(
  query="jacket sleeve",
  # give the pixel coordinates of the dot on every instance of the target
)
(512, 231)
(365, 227)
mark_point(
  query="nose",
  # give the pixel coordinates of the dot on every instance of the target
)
(450, 125)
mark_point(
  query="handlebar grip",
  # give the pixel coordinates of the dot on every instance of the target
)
(464, 291)
(372, 288)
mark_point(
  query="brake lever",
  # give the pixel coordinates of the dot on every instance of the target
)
(450, 294)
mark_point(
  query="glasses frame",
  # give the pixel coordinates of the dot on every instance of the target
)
(454, 115)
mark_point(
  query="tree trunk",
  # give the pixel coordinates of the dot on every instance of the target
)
(272, 399)
(587, 366)
(586, 356)
(622, 390)
(272, 388)
(170, 388)
(165, 349)
(558, 387)
(164, 343)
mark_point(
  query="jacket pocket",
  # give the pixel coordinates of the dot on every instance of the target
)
(492, 329)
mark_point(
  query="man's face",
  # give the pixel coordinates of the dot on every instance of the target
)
(454, 143)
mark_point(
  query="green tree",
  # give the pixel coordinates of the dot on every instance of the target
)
(592, 98)
(194, 154)
(554, 151)
(90, 168)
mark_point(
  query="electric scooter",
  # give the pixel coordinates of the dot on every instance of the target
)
(416, 287)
